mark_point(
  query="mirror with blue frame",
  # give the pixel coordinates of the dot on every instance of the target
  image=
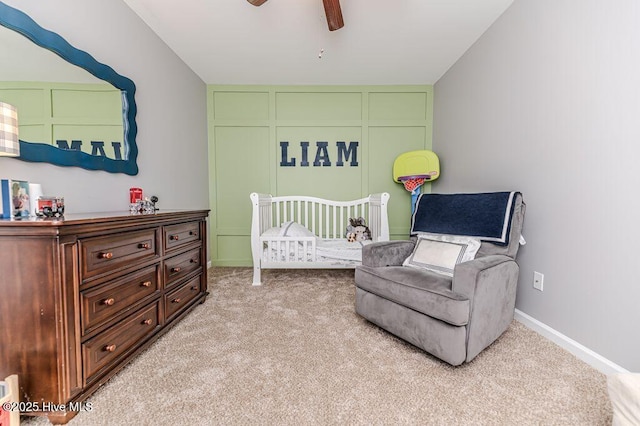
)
(72, 109)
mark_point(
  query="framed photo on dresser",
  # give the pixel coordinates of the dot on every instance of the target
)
(14, 198)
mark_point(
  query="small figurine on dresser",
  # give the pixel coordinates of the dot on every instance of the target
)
(148, 205)
(50, 206)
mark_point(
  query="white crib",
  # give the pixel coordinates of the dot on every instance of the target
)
(316, 238)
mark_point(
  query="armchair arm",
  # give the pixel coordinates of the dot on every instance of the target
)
(386, 253)
(490, 283)
(465, 275)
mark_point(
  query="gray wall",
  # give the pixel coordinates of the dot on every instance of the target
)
(547, 102)
(171, 101)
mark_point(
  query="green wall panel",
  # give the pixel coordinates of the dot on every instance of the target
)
(87, 103)
(318, 106)
(241, 105)
(233, 250)
(35, 132)
(31, 103)
(241, 169)
(248, 123)
(398, 106)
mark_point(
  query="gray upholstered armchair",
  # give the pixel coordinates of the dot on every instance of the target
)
(452, 317)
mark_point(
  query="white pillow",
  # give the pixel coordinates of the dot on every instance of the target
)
(294, 229)
(272, 232)
(441, 253)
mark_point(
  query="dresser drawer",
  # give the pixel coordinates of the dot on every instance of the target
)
(109, 345)
(179, 235)
(181, 296)
(106, 301)
(104, 254)
(180, 266)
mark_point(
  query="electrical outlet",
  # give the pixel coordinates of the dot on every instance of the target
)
(538, 280)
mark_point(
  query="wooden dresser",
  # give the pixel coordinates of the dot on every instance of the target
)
(82, 296)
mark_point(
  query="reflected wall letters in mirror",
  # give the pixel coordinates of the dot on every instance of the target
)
(103, 138)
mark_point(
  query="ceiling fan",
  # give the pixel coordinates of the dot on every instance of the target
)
(331, 9)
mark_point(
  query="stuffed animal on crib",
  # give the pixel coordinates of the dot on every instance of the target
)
(357, 230)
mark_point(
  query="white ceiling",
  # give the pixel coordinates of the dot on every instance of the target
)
(382, 42)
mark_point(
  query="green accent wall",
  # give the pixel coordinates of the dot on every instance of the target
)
(67, 111)
(248, 123)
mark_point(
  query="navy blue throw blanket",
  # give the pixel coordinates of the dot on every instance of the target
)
(484, 215)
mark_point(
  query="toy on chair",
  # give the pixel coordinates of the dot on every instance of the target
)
(413, 169)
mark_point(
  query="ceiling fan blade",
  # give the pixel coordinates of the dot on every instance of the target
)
(257, 2)
(334, 14)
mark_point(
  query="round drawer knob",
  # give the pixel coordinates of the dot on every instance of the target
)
(105, 255)
(194, 287)
(147, 321)
(174, 237)
(176, 269)
(110, 301)
(146, 284)
(145, 246)
(110, 348)
(176, 300)
(193, 260)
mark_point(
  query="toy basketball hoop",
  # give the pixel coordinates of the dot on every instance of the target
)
(413, 169)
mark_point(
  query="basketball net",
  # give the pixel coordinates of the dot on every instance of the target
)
(412, 184)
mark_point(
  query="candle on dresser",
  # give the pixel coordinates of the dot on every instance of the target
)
(35, 192)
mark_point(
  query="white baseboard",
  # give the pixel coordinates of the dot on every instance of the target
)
(595, 360)
(209, 265)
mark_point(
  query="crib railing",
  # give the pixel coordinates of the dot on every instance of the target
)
(327, 219)
(378, 216)
(285, 249)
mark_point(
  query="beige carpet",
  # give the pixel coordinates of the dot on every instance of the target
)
(293, 352)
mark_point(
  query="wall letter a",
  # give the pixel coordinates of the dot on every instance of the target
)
(322, 154)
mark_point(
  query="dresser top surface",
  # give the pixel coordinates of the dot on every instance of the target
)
(121, 218)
